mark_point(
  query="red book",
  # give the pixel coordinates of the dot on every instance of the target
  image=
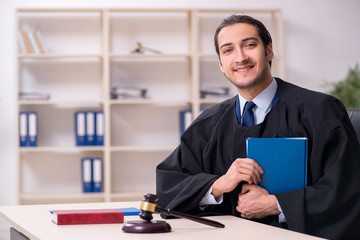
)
(87, 216)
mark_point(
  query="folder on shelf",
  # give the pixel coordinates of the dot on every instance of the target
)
(97, 179)
(90, 129)
(186, 117)
(32, 129)
(86, 169)
(23, 129)
(284, 161)
(80, 128)
(99, 128)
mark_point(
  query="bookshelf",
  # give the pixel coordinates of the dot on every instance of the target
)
(90, 51)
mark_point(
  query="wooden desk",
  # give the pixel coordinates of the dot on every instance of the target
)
(34, 221)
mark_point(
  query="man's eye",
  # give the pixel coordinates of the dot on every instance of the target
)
(249, 45)
(226, 51)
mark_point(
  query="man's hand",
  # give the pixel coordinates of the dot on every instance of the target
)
(255, 202)
(242, 169)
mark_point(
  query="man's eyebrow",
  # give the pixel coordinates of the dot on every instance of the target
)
(224, 45)
(249, 38)
(243, 40)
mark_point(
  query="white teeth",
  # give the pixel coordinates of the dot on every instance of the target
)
(243, 69)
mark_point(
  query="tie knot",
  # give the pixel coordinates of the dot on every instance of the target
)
(249, 105)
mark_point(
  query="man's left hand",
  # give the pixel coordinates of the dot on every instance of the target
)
(255, 202)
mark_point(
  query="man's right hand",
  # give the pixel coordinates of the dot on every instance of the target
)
(242, 169)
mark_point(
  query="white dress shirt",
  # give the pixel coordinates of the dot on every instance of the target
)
(263, 106)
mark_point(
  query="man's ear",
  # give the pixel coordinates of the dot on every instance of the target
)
(269, 52)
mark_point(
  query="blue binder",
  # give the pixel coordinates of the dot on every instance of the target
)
(86, 174)
(97, 179)
(186, 117)
(32, 128)
(284, 161)
(23, 129)
(80, 128)
(99, 128)
(90, 129)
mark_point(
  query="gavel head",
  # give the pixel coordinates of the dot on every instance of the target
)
(148, 206)
(138, 47)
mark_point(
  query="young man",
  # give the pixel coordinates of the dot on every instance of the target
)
(209, 173)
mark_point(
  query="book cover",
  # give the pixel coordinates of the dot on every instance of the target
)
(284, 161)
(21, 43)
(87, 216)
(38, 41)
(130, 211)
(33, 44)
(40, 38)
(26, 42)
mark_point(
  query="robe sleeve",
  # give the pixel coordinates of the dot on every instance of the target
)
(330, 205)
(181, 182)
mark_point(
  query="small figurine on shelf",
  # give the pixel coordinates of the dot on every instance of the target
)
(140, 49)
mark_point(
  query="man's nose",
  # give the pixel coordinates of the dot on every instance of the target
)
(241, 55)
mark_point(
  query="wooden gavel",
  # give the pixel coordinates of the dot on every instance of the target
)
(149, 206)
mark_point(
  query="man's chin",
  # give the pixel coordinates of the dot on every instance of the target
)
(249, 84)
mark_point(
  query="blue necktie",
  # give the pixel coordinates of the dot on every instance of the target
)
(248, 115)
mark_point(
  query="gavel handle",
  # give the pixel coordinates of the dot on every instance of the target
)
(190, 217)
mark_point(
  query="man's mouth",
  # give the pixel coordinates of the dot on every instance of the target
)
(242, 69)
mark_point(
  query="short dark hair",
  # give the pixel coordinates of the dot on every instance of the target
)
(233, 19)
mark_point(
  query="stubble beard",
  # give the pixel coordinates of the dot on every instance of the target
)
(256, 81)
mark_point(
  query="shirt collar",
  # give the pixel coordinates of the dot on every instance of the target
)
(263, 100)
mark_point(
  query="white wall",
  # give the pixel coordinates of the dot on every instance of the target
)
(321, 43)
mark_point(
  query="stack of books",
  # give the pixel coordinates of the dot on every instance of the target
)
(32, 42)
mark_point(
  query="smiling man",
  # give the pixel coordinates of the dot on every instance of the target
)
(209, 174)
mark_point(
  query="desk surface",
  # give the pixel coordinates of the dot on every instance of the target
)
(35, 222)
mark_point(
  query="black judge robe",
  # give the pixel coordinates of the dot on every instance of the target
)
(330, 205)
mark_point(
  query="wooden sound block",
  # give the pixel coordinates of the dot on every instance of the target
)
(146, 227)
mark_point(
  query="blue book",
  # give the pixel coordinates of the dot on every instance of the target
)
(130, 211)
(284, 161)
(86, 174)
(99, 128)
(80, 128)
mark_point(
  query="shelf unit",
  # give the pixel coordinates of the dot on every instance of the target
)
(91, 51)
